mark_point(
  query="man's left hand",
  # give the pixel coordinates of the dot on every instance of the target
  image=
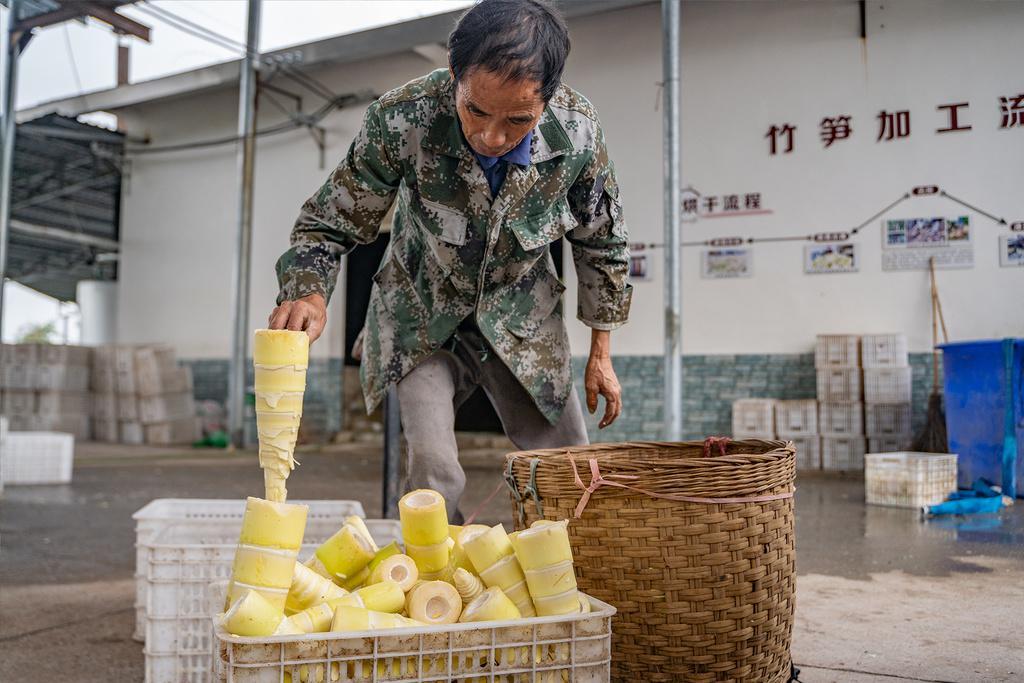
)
(600, 379)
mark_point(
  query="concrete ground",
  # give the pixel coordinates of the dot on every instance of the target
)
(882, 595)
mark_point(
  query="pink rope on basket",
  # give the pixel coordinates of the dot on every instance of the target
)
(597, 480)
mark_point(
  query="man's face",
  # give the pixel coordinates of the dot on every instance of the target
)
(496, 113)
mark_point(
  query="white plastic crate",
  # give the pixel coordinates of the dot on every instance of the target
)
(887, 419)
(892, 385)
(839, 384)
(842, 454)
(808, 450)
(163, 512)
(888, 444)
(178, 631)
(841, 419)
(754, 418)
(884, 351)
(909, 480)
(796, 417)
(571, 647)
(37, 458)
(837, 351)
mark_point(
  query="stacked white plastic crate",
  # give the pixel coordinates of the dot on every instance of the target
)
(840, 410)
(152, 395)
(753, 418)
(797, 421)
(46, 388)
(887, 392)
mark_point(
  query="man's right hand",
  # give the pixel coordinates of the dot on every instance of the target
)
(308, 313)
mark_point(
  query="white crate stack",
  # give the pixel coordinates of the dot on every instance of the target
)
(887, 392)
(46, 388)
(753, 418)
(144, 396)
(797, 421)
(837, 359)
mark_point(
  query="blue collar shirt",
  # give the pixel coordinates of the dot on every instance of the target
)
(496, 168)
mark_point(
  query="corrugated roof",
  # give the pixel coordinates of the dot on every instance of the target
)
(65, 208)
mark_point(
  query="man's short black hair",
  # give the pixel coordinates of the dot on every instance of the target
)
(517, 39)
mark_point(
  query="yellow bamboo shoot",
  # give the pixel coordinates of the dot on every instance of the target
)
(424, 518)
(468, 585)
(386, 596)
(345, 553)
(491, 605)
(251, 615)
(309, 588)
(280, 359)
(398, 568)
(435, 602)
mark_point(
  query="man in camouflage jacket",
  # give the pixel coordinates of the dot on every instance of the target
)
(467, 293)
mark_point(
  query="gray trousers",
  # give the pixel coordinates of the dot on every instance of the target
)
(432, 392)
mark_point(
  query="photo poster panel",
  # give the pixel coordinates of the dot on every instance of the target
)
(717, 264)
(837, 257)
(909, 243)
(1011, 250)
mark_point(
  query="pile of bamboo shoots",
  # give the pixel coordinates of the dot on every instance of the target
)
(444, 574)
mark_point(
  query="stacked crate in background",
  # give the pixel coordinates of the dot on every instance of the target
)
(102, 380)
(887, 392)
(840, 410)
(46, 388)
(797, 421)
(753, 418)
(144, 395)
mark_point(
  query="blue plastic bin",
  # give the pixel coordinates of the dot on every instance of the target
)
(984, 391)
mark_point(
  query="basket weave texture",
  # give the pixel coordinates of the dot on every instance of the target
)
(692, 542)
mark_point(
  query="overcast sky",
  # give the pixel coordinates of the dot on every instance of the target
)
(80, 57)
(75, 57)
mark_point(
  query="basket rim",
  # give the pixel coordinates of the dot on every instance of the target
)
(773, 447)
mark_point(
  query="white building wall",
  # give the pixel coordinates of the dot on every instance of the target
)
(745, 67)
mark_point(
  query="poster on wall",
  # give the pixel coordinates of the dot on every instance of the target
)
(830, 258)
(1011, 250)
(639, 268)
(724, 263)
(909, 243)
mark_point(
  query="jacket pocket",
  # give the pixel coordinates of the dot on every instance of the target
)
(396, 304)
(536, 230)
(532, 306)
(443, 222)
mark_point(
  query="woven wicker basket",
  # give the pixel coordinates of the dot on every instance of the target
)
(693, 543)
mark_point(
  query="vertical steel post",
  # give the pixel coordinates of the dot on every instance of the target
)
(12, 51)
(246, 161)
(673, 411)
(391, 475)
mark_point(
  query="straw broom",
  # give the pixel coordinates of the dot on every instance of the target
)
(932, 437)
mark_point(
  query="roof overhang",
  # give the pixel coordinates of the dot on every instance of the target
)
(376, 42)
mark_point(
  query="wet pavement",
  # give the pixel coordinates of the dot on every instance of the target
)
(882, 594)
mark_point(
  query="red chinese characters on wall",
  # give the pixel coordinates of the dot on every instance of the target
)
(954, 117)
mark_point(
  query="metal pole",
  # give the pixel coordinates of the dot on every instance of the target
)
(12, 51)
(673, 278)
(246, 160)
(392, 454)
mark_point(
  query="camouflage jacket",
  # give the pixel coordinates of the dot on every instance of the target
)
(455, 251)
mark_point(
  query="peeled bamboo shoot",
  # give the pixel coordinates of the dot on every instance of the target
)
(251, 615)
(435, 602)
(424, 518)
(491, 605)
(280, 359)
